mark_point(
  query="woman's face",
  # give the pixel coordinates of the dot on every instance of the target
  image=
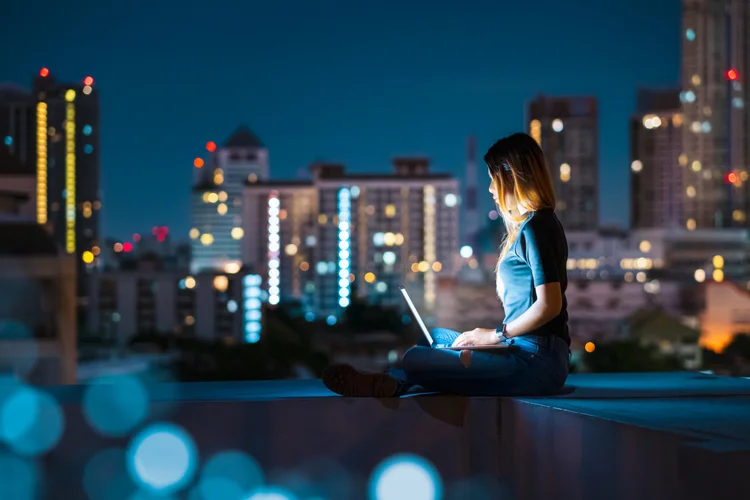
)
(510, 200)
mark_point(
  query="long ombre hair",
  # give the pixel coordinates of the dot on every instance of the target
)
(517, 167)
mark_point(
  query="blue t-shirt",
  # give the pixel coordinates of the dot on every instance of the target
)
(538, 256)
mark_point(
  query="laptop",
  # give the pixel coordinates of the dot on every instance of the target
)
(431, 341)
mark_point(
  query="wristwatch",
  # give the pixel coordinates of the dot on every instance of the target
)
(501, 331)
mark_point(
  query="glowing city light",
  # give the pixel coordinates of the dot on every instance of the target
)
(210, 146)
(274, 204)
(189, 282)
(221, 283)
(41, 159)
(590, 347)
(732, 75)
(430, 285)
(636, 166)
(88, 81)
(127, 247)
(70, 172)
(690, 34)
(87, 257)
(731, 178)
(700, 275)
(535, 130)
(564, 172)
(198, 163)
(451, 200)
(389, 258)
(557, 125)
(115, 405)
(207, 239)
(31, 421)
(251, 291)
(344, 215)
(44, 72)
(405, 476)
(466, 252)
(162, 458)
(237, 233)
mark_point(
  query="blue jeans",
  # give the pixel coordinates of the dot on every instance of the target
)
(532, 366)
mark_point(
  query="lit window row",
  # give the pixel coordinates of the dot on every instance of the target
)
(582, 264)
(639, 263)
(564, 172)
(274, 246)
(535, 130)
(429, 244)
(344, 213)
(701, 127)
(251, 293)
(70, 172)
(387, 239)
(41, 163)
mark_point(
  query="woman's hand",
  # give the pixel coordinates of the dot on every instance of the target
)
(477, 336)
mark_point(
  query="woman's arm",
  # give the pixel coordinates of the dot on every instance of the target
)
(547, 306)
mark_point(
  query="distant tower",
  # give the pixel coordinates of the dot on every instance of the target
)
(471, 212)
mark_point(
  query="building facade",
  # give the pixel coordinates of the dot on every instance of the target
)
(567, 128)
(715, 65)
(657, 190)
(341, 235)
(18, 125)
(217, 200)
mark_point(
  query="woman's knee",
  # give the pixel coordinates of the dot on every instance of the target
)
(415, 357)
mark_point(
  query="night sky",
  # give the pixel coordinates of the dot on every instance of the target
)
(331, 80)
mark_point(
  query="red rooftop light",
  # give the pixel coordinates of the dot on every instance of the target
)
(136, 237)
(127, 246)
(731, 177)
(732, 75)
(88, 81)
(211, 146)
(44, 72)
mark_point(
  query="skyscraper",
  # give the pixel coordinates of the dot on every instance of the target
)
(342, 232)
(567, 128)
(715, 66)
(217, 199)
(18, 124)
(657, 193)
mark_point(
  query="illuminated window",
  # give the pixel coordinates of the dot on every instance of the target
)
(290, 249)
(645, 246)
(690, 191)
(700, 275)
(88, 257)
(222, 196)
(718, 261)
(535, 130)
(696, 80)
(87, 90)
(636, 166)
(718, 275)
(437, 267)
(87, 130)
(344, 216)
(687, 96)
(218, 179)
(389, 239)
(304, 266)
(451, 200)
(690, 34)
(70, 95)
(390, 210)
(221, 208)
(557, 125)
(207, 239)
(322, 219)
(565, 172)
(690, 224)
(370, 278)
(252, 178)
(683, 159)
(221, 283)
(212, 198)
(696, 166)
(237, 233)
(194, 233)
(695, 127)
(651, 121)
(677, 120)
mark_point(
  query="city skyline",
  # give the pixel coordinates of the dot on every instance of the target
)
(331, 90)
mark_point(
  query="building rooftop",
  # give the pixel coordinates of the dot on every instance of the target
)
(660, 435)
(243, 137)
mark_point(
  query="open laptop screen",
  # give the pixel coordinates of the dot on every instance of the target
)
(416, 314)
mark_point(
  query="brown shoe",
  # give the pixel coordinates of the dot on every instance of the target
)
(348, 381)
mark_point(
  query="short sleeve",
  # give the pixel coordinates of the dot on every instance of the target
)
(540, 253)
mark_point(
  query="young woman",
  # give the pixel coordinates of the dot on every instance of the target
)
(531, 281)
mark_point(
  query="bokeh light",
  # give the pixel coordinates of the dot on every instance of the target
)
(405, 477)
(590, 347)
(31, 422)
(162, 458)
(105, 476)
(198, 163)
(271, 493)
(466, 251)
(19, 477)
(127, 247)
(228, 475)
(44, 72)
(211, 146)
(115, 405)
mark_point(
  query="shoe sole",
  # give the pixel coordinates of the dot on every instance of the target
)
(350, 382)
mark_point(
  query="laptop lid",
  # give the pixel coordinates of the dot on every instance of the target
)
(416, 314)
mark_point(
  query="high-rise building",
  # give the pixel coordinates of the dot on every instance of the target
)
(18, 124)
(567, 128)
(217, 199)
(715, 67)
(657, 165)
(342, 234)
